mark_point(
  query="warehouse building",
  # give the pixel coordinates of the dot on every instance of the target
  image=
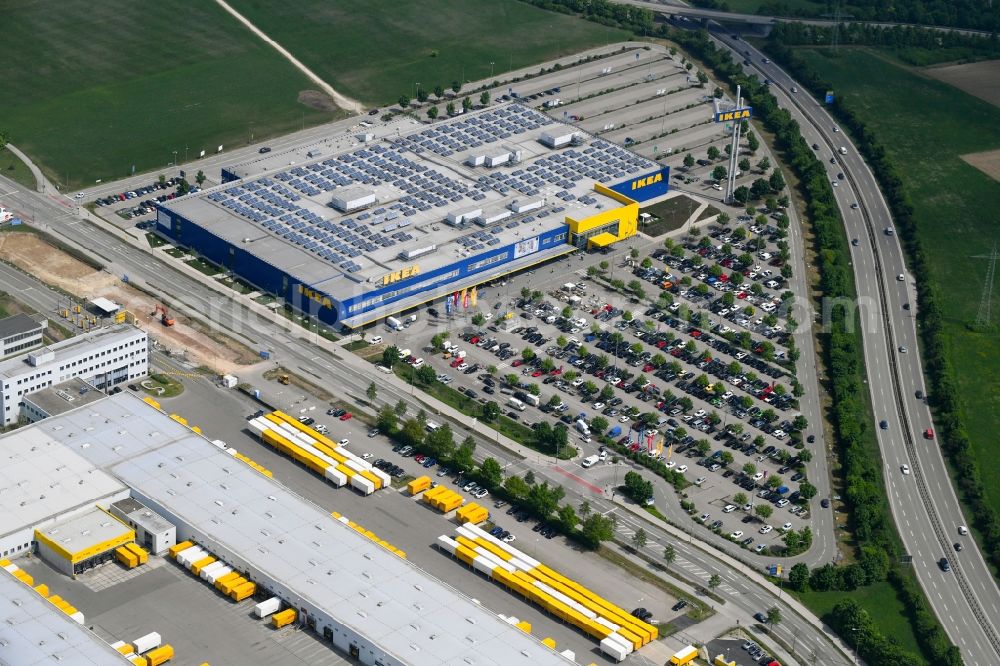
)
(104, 357)
(34, 631)
(74, 545)
(19, 333)
(406, 218)
(349, 590)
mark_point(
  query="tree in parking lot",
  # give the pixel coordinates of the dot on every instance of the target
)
(400, 408)
(719, 173)
(543, 499)
(669, 553)
(639, 539)
(701, 381)
(807, 490)
(739, 499)
(658, 360)
(753, 143)
(162, 180)
(456, 86)
(478, 319)
(685, 404)
(371, 392)
(607, 392)
(735, 428)
(512, 379)
(466, 104)
(535, 389)
(713, 417)
(764, 164)
(769, 415)
(805, 455)
(491, 411)
(589, 387)
(462, 460)
(776, 181)
(774, 481)
(450, 108)
(798, 577)
(516, 488)
(484, 99)
(763, 511)
(413, 432)
(800, 422)
(786, 271)
(492, 370)
(646, 262)
(636, 488)
(703, 446)
(525, 293)
(749, 469)
(440, 444)
(784, 201)
(744, 164)
(527, 353)
(604, 265)
(758, 441)
(713, 153)
(426, 375)
(741, 194)
(597, 528)
(726, 458)
(438, 91)
(759, 187)
(404, 100)
(491, 473)
(689, 160)
(567, 518)
(422, 95)
(635, 348)
(432, 112)
(387, 420)
(200, 178)
(390, 356)
(529, 478)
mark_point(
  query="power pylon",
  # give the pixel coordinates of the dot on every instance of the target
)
(983, 316)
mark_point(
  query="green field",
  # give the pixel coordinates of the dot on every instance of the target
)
(925, 126)
(879, 600)
(377, 50)
(93, 88)
(12, 167)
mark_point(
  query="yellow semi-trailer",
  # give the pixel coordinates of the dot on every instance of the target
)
(222, 580)
(197, 567)
(178, 548)
(283, 618)
(139, 552)
(126, 557)
(160, 655)
(227, 587)
(684, 656)
(243, 591)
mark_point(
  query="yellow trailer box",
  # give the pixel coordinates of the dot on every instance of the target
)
(243, 591)
(139, 660)
(178, 547)
(283, 618)
(231, 576)
(139, 551)
(160, 655)
(229, 586)
(201, 564)
(126, 557)
(418, 485)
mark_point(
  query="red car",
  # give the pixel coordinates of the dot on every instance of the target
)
(695, 333)
(648, 367)
(536, 373)
(741, 295)
(419, 458)
(456, 362)
(929, 433)
(556, 371)
(661, 344)
(347, 417)
(517, 363)
(473, 340)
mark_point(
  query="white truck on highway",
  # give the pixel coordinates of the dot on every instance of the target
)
(843, 150)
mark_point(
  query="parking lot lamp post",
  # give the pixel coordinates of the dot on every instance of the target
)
(175, 158)
(491, 69)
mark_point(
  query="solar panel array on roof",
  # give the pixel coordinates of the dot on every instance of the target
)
(486, 128)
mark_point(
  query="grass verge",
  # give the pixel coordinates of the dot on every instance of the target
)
(12, 167)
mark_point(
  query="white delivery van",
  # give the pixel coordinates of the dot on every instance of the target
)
(589, 461)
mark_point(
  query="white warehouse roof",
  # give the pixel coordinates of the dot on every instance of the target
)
(397, 606)
(33, 632)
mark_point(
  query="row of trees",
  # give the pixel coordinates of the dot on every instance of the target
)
(945, 399)
(539, 499)
(976, 14)
(865, 494)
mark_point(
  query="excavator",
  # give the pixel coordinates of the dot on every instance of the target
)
(165, 317)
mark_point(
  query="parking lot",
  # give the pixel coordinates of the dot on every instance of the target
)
(412, 525)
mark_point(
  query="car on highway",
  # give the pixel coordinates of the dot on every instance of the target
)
(900, 277)
(902, 349)
(944, 564)
(905, 468)
(963, 530)
(957, 546)
(840, 176)
(760, 617)
(825, 503)
(854, 205)
(855, 242)
(264, 150)
(883, 424)
(373, 112)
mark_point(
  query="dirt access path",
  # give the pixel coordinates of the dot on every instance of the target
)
(342, 101)
(35, 256)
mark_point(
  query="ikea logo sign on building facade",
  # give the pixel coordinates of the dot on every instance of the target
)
(645, 187)
(735, 114)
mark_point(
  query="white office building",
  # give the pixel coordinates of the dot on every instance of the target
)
(104, 358)
(19, 332)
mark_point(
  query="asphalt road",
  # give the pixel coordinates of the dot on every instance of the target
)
(924, 504)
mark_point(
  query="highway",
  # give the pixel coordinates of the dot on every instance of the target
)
(924, 504)
(347, 375)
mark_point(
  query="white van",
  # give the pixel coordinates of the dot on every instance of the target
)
(589, 461)
(375, 340)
